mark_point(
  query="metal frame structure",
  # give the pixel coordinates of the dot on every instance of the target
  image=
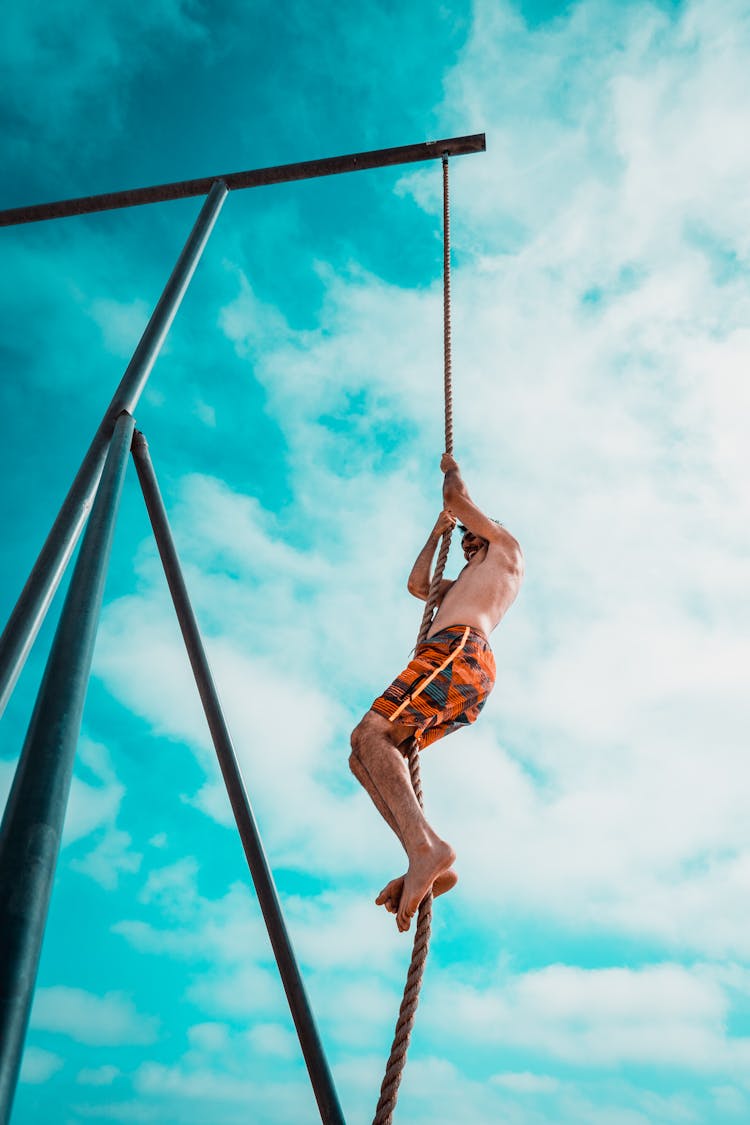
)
(32, 824)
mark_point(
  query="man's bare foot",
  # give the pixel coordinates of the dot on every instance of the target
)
(390, 896)
(426, 864)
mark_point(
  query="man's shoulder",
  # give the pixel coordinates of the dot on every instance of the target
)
(505, 553)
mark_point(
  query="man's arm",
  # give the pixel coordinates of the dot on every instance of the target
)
(457, 500)
(421, 573)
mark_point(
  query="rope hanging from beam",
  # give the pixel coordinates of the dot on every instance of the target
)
(408, 1010)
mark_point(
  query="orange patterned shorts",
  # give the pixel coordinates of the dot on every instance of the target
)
(444, 687)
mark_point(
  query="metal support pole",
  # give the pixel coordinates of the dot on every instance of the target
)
(33, 821)
(317, 1066)
(27, 617)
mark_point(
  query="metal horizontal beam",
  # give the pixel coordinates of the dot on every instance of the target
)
(259, 177)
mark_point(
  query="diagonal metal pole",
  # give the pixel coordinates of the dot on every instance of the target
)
(27, 617)
(312, 1049)
(33, 821)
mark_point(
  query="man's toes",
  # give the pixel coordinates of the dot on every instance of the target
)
(390, 896)
(403, 920)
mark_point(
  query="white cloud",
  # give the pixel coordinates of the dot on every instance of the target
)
(98, 1076)
(241, 992)
(659, 1015)
(209, 1037)
(320, 827)
(525, 1083)
(125, 1111)
(731, 1101)
(109, 1020)
(233, 974)
(93, 810)
(111, 857)
(206, 413)
(273, 1039)
(195, 926)
(218, 1088)
(172, 887)
(38, 1065)
(226, 937)
(121, 324)
(89, 808)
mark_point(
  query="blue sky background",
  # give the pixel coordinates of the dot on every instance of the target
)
(593, 965)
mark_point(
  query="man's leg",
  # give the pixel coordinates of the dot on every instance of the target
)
(364, 779)
(390, 896)
(379, 766)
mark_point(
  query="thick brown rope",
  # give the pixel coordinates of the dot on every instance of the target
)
(408, 1010)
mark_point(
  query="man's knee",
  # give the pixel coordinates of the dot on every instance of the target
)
(360, 736)
(373, 726)
(356, 738)
(357, 744)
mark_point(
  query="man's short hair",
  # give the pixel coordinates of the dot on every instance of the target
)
(465, 530)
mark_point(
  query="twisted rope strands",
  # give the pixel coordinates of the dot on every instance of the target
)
(408, 1010)
(445, 542)
(447, 352)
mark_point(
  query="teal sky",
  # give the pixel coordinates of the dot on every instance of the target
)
(593, 965)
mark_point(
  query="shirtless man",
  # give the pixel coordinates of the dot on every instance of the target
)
(443, 688)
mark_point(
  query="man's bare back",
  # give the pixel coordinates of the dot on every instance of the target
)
(488, 584)
(486, 587)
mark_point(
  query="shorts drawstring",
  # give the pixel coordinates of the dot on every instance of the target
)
(436, 672)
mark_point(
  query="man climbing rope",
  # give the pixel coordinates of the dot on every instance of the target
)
(443, 688)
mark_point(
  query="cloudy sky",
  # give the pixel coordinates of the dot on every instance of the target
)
(593, 964)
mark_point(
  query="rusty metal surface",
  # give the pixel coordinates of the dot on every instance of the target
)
(259, 177)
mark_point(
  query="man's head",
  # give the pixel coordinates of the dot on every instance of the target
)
(471, 544)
